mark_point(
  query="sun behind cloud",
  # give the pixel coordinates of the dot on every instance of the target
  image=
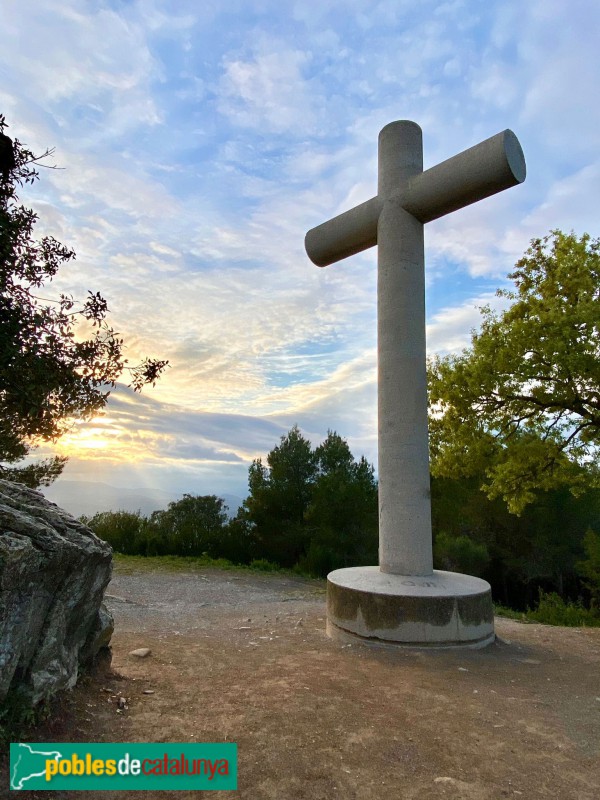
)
(100, 435)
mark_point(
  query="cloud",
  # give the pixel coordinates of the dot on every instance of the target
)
(267, 91)
(558, 50)
(94, 60)
(138, 428)
(449, 330)
(567, 205)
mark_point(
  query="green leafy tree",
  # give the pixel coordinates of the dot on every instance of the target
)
(58, 358)
(191, 526)
(521, 406)
(123, 530)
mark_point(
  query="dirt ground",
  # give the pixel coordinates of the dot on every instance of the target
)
(244, 658)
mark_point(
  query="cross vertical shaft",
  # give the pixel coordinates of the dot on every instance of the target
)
(405, 542)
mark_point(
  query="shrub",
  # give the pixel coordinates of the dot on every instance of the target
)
(262, 565)
(553, 610)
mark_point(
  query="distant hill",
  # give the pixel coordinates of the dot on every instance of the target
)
(85, 497)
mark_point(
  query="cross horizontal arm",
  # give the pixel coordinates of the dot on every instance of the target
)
(481, 171)
(344, 235)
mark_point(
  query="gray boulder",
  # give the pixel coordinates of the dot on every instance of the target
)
(53, 573)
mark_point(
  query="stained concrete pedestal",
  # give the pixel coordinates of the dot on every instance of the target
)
(444, 609)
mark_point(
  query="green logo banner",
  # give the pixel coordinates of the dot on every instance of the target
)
(122, 766)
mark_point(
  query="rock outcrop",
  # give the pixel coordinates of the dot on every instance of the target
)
(53, 573)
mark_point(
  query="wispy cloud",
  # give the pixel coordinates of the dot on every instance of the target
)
(267, 90)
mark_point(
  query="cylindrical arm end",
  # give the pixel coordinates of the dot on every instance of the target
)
(515, 156)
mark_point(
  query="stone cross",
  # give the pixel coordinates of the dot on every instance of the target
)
(393, 220)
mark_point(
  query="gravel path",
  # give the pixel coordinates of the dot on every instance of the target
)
(186, 602)
(244, 658)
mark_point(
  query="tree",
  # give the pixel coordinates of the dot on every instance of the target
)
(123, 530)
(522, 404)
(58, 358)
(191, 526)
(460, 554)
(278, 499)
(342, 514)
(589, 568)
(292, 473)
(312, 508)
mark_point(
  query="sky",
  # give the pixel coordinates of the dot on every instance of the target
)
(199, 141)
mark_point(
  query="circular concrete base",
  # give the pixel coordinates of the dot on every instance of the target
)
(445, 609)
